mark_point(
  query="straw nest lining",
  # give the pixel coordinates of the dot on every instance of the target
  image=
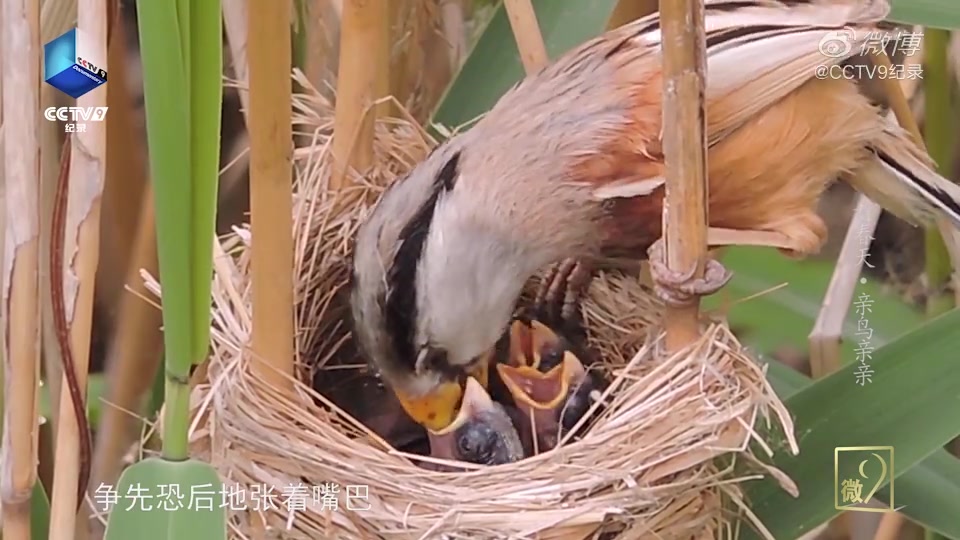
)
(645, 469)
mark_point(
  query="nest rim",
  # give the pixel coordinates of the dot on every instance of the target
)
(242, 423)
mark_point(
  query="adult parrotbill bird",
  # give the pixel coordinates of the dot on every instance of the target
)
(568, 166)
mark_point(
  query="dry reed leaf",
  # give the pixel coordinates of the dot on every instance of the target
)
(644, 470)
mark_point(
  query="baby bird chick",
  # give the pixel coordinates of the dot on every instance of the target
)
(545, 373)
(548, 383)
(482, 433)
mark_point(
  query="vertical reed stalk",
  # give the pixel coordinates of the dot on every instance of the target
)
(134, 355)
(320, 25)
(55, 19)
(523, 21)
(135, 349)
(361, 29)
(20, 310)
(298, 36)
(125, 181)
(421, 63)
(379, 53)
(81, 248)
(453, 17)
(271, 190)
(684, 144)
(526, 32)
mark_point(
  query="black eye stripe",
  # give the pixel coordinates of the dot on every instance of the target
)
(401, 304)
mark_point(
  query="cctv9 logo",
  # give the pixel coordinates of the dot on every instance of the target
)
(837, 43)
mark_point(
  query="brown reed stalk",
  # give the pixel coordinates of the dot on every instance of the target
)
(424, 35)
(20, 310)
(523, 21)
(135, 349)
(359, 77)
(81, 246)
(125, 181)
(56, 17)
(684, 144)
(380, 52)
(408, 23)
(824, 338)
(453, 19)
(271, 190)
(320, 25)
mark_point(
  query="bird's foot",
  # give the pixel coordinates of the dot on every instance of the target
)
(540, 334)
(680, 289)
(557, 303)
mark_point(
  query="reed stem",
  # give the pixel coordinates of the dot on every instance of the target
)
(684, 143)
(271, 190)
(523, 21)
(362, 28)
(20, 297)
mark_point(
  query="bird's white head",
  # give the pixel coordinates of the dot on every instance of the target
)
(437, 271)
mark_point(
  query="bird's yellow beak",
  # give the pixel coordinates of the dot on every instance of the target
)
(435, 410)
(438, 409)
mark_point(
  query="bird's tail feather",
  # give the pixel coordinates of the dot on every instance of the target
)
(902, 178)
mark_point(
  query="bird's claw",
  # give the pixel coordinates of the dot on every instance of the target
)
(557, 302)
(680, 289)
(546, 379)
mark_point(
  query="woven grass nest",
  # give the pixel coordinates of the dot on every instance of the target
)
(644, 470)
